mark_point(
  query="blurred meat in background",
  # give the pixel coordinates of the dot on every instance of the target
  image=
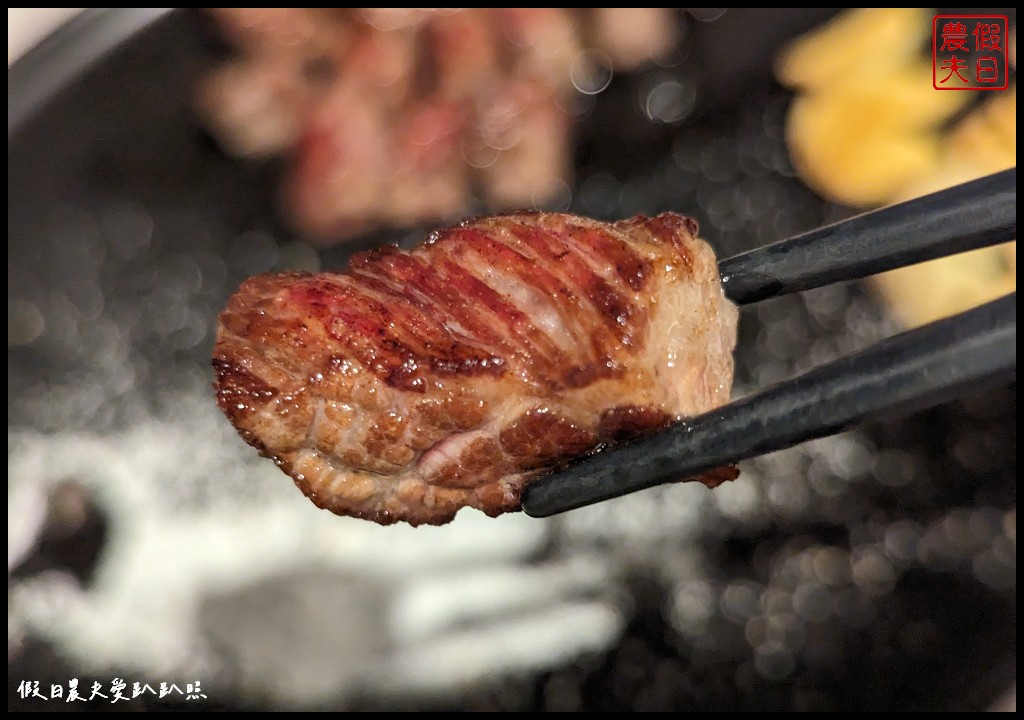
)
(403, 116)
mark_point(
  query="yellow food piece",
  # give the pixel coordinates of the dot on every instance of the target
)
(861, 142)
(984, 142)
(928, 291)
(869, 130)
(987, 138)
(922, 293)
(862, 43)
(843, 156)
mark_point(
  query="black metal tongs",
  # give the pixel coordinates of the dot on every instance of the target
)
(913, 370)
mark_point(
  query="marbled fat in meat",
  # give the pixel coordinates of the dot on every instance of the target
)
(415, 383)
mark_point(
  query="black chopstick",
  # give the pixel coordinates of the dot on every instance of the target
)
(913, 370)
(976, 214)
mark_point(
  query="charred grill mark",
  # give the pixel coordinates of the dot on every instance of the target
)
(398, 341)
(580, 376)
(557, 263)
(514, 264)
(541, 351)
(541, 437)
(390, 309)
(633, 269)
(392, 292)
(670, 228)
(613, 309)
(462, 357)
(628, 422)
(240, 396)
(408, 271)
(559, 298)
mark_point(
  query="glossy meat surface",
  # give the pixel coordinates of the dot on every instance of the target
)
(415, 383)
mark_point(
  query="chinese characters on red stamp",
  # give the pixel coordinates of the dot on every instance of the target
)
(969, 52)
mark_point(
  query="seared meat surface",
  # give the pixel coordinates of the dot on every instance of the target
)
(415, 383)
